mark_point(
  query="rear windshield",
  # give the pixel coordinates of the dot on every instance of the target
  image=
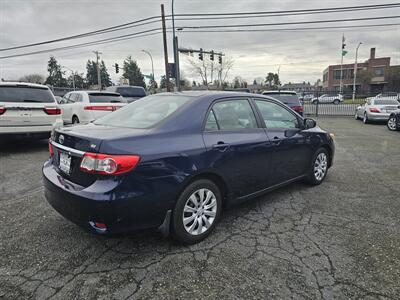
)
(105, 98)
(131, 92)
(386, 102)
(25, 94)
(285, 97)
(145, 112)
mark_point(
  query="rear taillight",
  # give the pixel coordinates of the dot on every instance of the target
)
(107, 164)
(102, 108)
(298, 108)
(51, 150)
(52, 111)
(2, 110)
(374, 110)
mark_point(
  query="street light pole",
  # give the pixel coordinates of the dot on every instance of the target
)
(152, 66)
(355, 72)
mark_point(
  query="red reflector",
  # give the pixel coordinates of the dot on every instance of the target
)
(2, 110)
(100, 225)
(52, 111)
(103, 108)
(107, 164)
(51, 150)
(374, 110)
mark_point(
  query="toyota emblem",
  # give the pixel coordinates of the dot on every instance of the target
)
(61, 139)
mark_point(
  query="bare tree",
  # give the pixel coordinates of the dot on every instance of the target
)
(209, 70)
(32, 78)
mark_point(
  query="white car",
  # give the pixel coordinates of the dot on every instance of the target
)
(28, 109)
(327, 98)
(385, 96)
(87, 106)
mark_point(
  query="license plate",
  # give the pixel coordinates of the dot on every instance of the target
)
(65, 162)
(25, 112)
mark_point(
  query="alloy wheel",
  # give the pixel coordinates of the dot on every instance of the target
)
(199, 211)
(392, 123)
(320, 166)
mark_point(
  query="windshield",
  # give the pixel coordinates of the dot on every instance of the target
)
(386, 102)
(105, 98)
(285, 97)
(145, 112)
(25, 94)
(131, 92)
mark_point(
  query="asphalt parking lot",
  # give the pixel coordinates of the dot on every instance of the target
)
(337, 240)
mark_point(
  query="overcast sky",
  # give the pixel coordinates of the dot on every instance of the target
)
(301, 55)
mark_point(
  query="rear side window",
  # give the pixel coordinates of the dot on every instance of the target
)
(25, 94)
(232, 115)
(105, 98)
(131, 92)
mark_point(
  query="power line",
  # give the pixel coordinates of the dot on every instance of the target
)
(292, 29)
(99, 42)
(266, 14)
(288, 23)
(291, 11)
(87, 34)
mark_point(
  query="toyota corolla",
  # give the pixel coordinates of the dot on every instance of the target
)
(174, 161)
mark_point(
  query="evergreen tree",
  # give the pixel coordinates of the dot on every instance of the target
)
(132, 72)
(56, 75)
(91, 74)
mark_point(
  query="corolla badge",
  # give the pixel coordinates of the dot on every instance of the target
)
(61, 139)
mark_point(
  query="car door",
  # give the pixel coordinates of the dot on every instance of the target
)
(66, 107)
(237, 145)
(290, 156)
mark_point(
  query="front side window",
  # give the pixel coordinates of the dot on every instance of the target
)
(277, 117)
(234, 115)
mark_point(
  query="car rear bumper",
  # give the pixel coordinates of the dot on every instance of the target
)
(32, 129)
(105, 201)
(378, 116)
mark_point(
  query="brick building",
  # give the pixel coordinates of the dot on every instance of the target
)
(372, 75)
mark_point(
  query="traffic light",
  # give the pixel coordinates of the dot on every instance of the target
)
(220, 59)
(201, 54)
(212, 55)
(116, 68)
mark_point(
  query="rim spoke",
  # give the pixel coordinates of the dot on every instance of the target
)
(207, 223)
(209, 213)
(189, 209)
(200, 222)
(212, 204)
(193, 199)
(209, 195)
(191, 228)
(187, 220)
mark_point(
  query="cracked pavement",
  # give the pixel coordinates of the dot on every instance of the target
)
(338, 240)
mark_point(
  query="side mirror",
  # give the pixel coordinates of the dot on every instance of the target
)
(309, 123)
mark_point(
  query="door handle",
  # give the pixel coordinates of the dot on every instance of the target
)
(276, 141)
(221, 146)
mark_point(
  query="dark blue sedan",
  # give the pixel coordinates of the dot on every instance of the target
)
(175, 160)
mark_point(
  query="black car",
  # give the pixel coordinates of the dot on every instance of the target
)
(289, 98)
(129, 92)
(394, 121)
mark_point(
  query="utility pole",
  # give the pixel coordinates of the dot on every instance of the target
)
(176, 53)
(98, 69)
(355, 73)
(341, 66)
(165, 48)
(152, 65)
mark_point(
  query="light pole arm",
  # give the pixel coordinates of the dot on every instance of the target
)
(152, 65)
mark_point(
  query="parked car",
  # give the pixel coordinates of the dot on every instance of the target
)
(376, 110)
(291, 99)
(175, 160)
(129, 92)
(394, 120)
(386, 96)
(28, 109)
(87, 106)
(243, 90)
(59, 99)
(306, 97)
(327, 98)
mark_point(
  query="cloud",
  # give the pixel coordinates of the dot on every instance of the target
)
(301, 55)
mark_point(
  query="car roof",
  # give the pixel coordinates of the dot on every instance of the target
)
(212, 95)
(22, 84)
(279, 92)
(125, 86)
(96, 91)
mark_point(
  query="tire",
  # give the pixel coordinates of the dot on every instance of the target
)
(319, 167)
(365, 119)
(185, 208)
(75, 120)
(356, 115)
(391, 123)
(336, 101)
